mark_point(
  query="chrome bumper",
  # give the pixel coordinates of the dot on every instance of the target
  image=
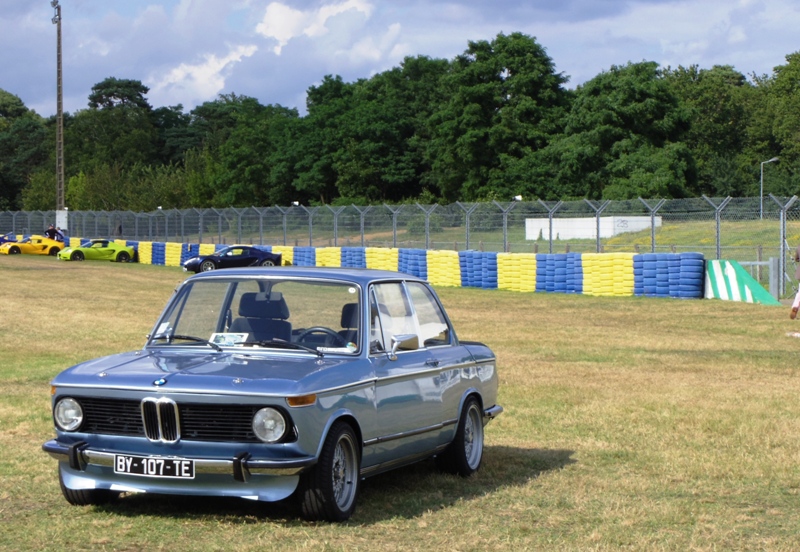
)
(79, 456)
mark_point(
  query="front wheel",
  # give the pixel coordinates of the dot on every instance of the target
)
(328, 491)
(77, 256)
(463, 456)
(207, 266)
(123, 257)
(86, 497)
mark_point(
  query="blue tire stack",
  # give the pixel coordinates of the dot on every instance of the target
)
(574, 273)
(541, 272)
(188, 250)
(489, 270)
(674, 271)
(305, 256)
(354, 257)
(560, 272)
(159, 254)
(662, 274)
(692, 275)
(638, 275)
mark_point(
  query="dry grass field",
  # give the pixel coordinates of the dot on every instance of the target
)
(630, 423)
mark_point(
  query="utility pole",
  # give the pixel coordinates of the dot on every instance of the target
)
(59, 115)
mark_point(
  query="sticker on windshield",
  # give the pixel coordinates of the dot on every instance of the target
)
(228, 339)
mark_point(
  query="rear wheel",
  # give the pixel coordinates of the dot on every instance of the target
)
(53, 251)
(267, 262)
(14, 250)
(86, 497)
(463, 456)
(328, 491)
(123, 257)
(77, 256)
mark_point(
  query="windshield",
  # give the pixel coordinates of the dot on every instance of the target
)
(288, 315)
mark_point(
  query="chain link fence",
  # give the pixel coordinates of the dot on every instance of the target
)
(742, 229)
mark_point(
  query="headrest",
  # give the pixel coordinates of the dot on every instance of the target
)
(350, 315)
(259, 305)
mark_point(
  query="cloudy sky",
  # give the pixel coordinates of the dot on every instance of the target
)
(190, 51)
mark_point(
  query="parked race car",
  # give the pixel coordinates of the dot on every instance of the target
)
(35, 245)
(263, 383)
(99, 250)
(235, 256)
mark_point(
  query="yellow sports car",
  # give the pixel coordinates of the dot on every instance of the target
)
(34, 245)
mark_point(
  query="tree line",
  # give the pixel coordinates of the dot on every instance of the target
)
(495, 122)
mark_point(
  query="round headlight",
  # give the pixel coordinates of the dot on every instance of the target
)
(68, 414)
(269, 425)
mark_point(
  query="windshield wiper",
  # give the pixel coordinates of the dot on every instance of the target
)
(170, 338)
(277, 343)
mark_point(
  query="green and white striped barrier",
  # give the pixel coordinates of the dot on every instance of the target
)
(729, 281)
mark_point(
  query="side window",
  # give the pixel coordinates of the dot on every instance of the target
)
(391, 315)
(433, 328)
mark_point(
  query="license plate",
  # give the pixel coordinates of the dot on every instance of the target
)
(154, 466)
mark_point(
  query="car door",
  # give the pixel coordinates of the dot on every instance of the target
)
(237, 257)
(408, 391)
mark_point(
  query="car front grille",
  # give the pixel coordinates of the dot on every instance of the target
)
(161, 420)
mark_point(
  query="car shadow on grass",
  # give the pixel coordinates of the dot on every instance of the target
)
(403, 493)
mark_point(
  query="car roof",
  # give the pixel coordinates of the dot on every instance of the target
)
(361, 276)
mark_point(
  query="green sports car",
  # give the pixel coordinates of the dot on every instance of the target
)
(99, 250)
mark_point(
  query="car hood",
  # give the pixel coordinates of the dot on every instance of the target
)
(282, 374)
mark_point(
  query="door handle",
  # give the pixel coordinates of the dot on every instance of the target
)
(432, 362)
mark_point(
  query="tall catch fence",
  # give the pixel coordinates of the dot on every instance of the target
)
(746, 230)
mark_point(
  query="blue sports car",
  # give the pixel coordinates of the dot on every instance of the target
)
(267, 383)
(235, 256)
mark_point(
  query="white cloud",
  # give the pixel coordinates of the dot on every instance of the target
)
(283, 23)
(197, 82)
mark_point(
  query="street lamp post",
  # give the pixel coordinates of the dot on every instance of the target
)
(762, 185)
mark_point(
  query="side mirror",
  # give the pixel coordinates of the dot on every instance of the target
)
(403, 342)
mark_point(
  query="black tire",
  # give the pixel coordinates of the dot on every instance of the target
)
(328, 491)
(463, 456)
(267, 262)
(53, 251)
(14, 250)
(123, 257)
(207, 266)
(86, 497)
(76, 256)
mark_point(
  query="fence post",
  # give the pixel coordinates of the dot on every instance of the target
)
(787, 251)
(505, 222)
(653, 221)
(362, 213)
(717, 216)
(428, 223)
(597, 211)
(336, 212)
(550, 213)
(310, 213)
(395, 214)
(468, 209)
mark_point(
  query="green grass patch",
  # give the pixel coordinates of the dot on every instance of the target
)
(630, 423)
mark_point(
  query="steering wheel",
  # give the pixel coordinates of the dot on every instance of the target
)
(338, 340)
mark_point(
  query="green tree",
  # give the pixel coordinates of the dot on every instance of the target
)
(717, 100)
(623, 138)
(24, 148)
(505, 102)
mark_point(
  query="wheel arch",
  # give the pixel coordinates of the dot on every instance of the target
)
(350, 419)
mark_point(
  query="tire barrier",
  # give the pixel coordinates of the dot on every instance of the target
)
(414, 262)
(443, 268)
(354, 257)
(676, 275)
(516, 271)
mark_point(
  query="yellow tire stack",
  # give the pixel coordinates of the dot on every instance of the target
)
(329, 256)
(146, 252)
(172, 254)
(287, 253)
(444, 268)
(516, 271)
(382, 258)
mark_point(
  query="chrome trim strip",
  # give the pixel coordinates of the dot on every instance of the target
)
(289, 466)
(413, 432)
